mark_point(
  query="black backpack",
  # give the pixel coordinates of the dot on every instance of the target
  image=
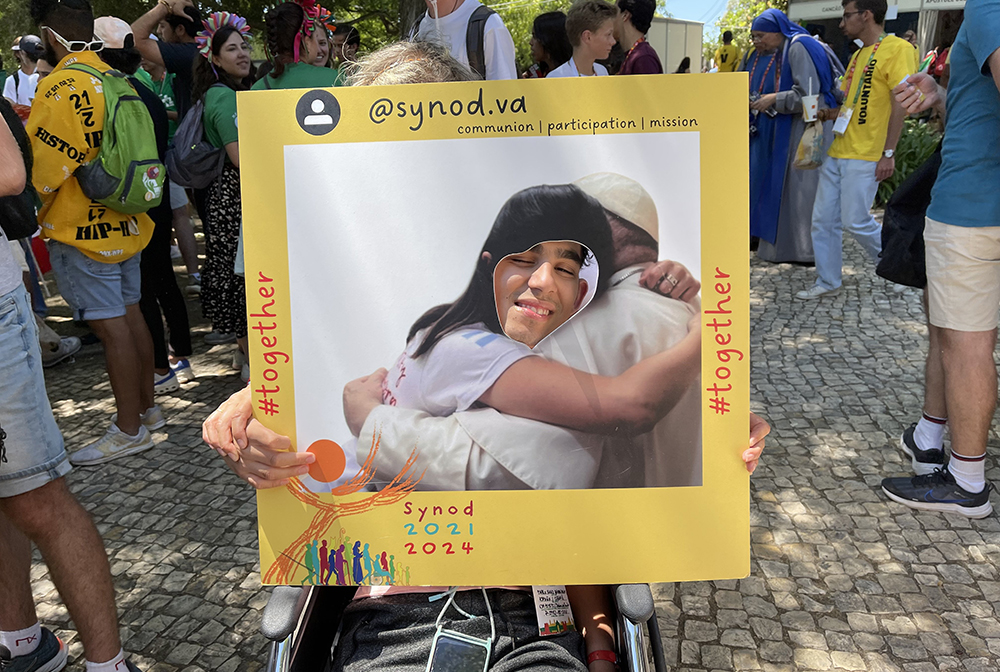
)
(193, 161)
(17, 213)
(475, 38)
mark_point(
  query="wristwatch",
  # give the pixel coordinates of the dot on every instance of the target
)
(888, 153)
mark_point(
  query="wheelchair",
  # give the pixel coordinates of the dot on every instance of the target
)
(302, 624)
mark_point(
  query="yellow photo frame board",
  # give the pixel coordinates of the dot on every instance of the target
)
(498, 537)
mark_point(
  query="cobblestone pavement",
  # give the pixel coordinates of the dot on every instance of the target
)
(841, 579)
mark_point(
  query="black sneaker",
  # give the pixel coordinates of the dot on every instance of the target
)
(923, 461)
(938, 491)
(50, 656)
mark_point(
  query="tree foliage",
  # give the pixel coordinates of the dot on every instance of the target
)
(737, 18)
(378, 21)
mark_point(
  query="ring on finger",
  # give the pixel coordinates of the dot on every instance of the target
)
(671, 279)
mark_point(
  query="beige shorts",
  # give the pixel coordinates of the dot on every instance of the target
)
(963, 276)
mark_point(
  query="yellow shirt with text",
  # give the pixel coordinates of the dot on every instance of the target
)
(727, 58)
(866, 133)
(65, 128)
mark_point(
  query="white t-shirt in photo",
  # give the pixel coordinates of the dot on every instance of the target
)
(458, 370)
(498, 45)
(24, 91)
(568, 69)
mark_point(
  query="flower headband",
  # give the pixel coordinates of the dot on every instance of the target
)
(325, 18)
(215, 22)
(312, 14)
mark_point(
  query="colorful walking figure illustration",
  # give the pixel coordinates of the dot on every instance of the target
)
(358, 575)
(340, 566)
(310, 564)
(324, 564)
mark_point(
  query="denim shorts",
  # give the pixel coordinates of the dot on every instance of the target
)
(33, 453)
(93, 289)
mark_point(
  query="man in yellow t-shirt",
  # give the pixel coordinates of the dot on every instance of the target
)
(94, 249)
(861, 155)
(727, 57)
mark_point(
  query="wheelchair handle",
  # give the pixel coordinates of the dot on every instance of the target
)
(283, 610)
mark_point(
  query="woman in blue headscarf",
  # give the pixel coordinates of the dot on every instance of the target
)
(785, 64)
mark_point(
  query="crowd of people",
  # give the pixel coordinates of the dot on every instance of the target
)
(114, 267)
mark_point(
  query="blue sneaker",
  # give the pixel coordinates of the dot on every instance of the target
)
(165, 383)
(923, 461)
(938, 491)
(50, 656)
(182, 369)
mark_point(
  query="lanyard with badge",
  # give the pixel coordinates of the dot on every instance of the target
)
(844, 118)
(457, 652)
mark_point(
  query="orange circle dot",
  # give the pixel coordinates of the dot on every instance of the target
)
(330, 461)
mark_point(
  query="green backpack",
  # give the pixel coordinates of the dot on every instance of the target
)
(127, 174)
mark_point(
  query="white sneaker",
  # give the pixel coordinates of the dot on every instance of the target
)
(166, 382)
(182, 369)
(68, 346)
(239, 360)
(816, 292)
(152, 419)
(111, 446)
(898, 288)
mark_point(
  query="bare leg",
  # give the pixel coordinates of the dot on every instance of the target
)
(144, 346)
(185, 238)
(17, 608)
(74, 552)
(970, 387)
(124, 368)
(244, 344)
(935, 403)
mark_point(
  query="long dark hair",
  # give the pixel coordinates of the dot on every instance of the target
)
(205, 74)
(281, 25)
(529, 217)
(550, 31)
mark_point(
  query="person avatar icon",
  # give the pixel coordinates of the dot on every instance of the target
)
(317, 113)
(319, 116)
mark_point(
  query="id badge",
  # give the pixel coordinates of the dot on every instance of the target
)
(454, 652)
(843, 119)
(555, 616)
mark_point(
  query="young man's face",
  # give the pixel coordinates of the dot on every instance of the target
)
(601, 41)
(853, 21)
(539, 289)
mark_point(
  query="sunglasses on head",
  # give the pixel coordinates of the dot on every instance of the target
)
(75, 46)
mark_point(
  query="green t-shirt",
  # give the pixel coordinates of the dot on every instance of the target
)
(219, 117)
(164, 90)
(298, 76)
(145, 78)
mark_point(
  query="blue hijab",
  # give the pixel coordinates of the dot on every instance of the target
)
(775, 21)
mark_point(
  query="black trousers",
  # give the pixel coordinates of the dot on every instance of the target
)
(160, 291)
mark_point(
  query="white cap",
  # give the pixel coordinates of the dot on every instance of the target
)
(625, 198)
(112, 31)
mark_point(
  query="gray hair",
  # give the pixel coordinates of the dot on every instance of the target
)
(408, 63)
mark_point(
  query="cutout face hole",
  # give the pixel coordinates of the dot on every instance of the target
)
(540, 289)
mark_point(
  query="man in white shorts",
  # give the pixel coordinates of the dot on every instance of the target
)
(962, 239)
